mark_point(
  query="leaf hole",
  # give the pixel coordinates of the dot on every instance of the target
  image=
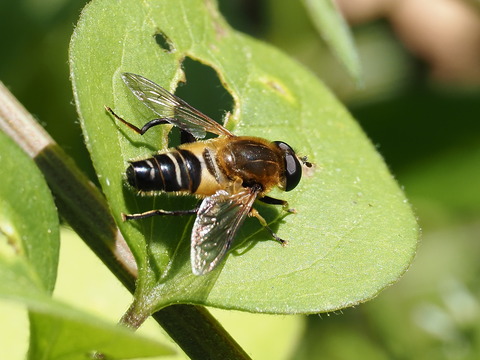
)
(204, 91)
(164, 41)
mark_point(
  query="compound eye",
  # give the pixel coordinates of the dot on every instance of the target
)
(293, 168)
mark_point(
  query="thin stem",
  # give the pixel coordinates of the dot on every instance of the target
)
(83, 206)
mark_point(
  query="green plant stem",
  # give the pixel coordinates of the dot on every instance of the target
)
(83, 206)
(218, 345)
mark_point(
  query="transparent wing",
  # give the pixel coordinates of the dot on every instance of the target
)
(218, 220)
(172, 108)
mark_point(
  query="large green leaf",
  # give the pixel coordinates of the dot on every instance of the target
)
(354, 232)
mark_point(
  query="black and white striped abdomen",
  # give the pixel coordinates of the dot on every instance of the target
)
(176, 170)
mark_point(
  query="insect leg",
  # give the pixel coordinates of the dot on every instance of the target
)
(255, 213)
(272, 201)
(186, 137)
(159, 212)
(143, 130)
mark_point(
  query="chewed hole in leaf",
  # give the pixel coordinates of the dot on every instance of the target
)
(204, 91)
(164, 42)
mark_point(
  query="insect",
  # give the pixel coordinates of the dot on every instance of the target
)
(228, 172)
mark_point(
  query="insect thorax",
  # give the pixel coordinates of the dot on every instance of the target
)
(253, 160)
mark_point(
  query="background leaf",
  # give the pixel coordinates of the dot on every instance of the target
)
(65, 333)
(28, 219)
(58, 331)
(334, 30)
(354, 232)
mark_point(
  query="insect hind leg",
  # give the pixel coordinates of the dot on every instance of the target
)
(159, 212)
(186, 137)
(143, 130)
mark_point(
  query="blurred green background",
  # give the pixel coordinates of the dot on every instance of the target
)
(427, 129)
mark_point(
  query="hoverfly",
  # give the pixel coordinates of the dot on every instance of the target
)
(228, 172)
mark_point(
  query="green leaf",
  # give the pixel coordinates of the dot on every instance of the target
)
(60, 332)
(354, 232)
(334, 30)
(28, 219)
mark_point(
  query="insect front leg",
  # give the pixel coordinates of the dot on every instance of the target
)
(272, 201)
(159, 212)
(256, 214)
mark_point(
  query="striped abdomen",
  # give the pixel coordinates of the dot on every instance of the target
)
(176, 170)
